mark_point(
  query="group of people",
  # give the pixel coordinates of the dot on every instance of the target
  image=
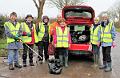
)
(26, 34)
(103, 34)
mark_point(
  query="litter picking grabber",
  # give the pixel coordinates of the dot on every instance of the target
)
(32, 49)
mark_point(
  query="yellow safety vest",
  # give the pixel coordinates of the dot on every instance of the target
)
(94, 34)
(106, 33)
(62, 38)
(13, 30)
(42, 31)
(27, 39)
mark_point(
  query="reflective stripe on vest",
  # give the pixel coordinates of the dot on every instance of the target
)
(13, 30)
(62, 38)
(41, 32)
(94, 35)
(106, 33)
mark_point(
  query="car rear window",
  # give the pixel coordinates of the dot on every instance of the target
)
(78, 14)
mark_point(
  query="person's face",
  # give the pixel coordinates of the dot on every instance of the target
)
(46, 20)
(59, 18)
(105, 18)
(13, 17)
(29, 19)
(62, 24)
(96, 21)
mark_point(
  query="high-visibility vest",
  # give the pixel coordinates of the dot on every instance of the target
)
(94, 35)
(27, 39)
(62, 37)
(41, 32)
(106, 35)
(13, 30)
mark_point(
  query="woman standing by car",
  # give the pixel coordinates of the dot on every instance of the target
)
(61, 40)
(95, 39)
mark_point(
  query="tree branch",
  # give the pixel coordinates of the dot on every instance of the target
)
(36, 4)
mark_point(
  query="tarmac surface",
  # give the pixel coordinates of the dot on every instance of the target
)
(78, 68)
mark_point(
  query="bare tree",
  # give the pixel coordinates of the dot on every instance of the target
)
(61, 3)
(114, 11)
(39, 5)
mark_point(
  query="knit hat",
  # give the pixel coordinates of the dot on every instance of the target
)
(45, 17)
(29, 15)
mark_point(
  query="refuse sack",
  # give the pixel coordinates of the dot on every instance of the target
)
(54, 66)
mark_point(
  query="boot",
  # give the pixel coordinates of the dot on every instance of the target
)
(61, 59)
(32, 64)
(96, 60)
(66, 61)
(24, 64)
(103, 66)
(108, 68)
(11, 67)
(40, 60)
(17, 65)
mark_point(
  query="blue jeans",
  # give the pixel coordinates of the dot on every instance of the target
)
(13, 56)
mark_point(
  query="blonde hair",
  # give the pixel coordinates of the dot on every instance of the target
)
(97, 18)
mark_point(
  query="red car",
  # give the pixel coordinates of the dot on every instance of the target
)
(79, 20)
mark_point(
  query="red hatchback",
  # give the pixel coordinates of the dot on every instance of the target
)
(79, 20)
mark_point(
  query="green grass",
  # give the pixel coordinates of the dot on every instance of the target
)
(118, 29)
(3, 51)
(3, 43)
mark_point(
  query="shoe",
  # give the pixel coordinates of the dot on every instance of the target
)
(103, 66)
(11, 67)
(40, 61)
(108, 68)
(31, 64)
(24, 65)
(17, 65)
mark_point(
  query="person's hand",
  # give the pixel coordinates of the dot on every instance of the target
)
(29, 34)
(98, 44)
(16, 38)
(90, 47)
(113, 44)
(69, 45)
(54, 45)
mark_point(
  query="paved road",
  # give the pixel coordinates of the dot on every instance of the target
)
(76, 69)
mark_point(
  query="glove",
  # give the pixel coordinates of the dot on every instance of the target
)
(29, 34)
(113, 44)
(16, 38)
(18, 35)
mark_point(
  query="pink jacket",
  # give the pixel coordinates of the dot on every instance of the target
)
(55, 36)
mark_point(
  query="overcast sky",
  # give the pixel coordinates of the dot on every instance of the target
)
(24, 7)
